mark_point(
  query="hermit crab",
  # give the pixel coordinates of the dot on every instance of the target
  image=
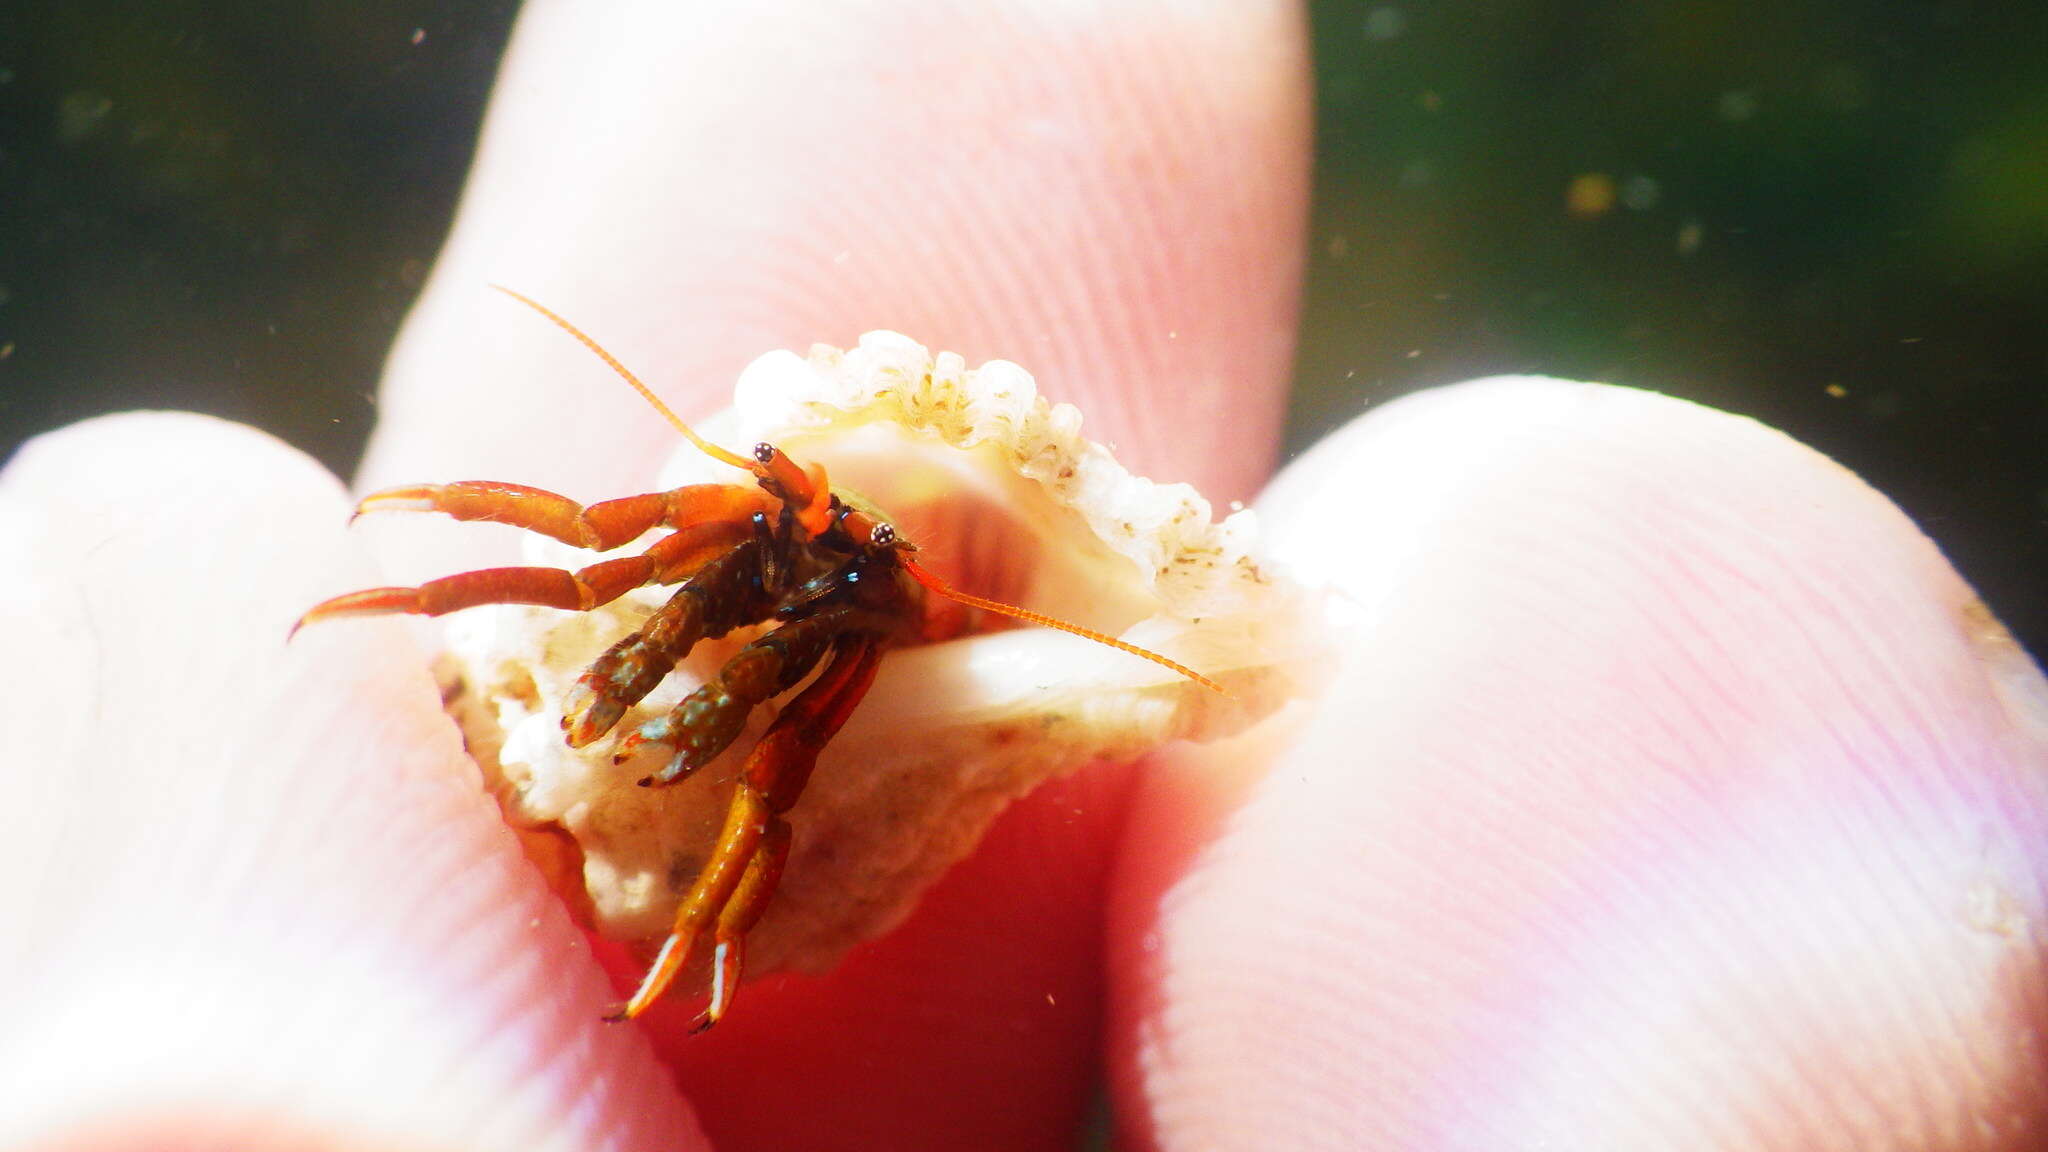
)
(782, 587)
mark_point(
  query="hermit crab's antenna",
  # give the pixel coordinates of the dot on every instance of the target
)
(930, 581)
(939, 586)
(706, 446)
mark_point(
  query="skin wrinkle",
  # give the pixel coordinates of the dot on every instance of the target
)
(1715, 917)
(1732, 569)
(1890, 1069)
(1700, 913)
(1750, 1107)
(1879, 665)
(1950, 967)
(1684, 780)
(1655, 860)
(1808, 636)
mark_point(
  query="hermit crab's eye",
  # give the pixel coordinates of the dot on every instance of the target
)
(764, 453)
(883, 536)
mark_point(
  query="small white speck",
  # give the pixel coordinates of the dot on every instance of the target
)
(1736, 105)
(80, 114)
(1640, 193)
(1989, 908)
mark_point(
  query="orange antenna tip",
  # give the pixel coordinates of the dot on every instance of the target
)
(1027, 615)
(646, 393)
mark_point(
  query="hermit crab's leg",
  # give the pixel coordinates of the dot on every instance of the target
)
(671, 558)
(741, 912)
(737, 881)
(599, 527)
(778, 768)
(728, 591)
(746, 822)
(707, 720)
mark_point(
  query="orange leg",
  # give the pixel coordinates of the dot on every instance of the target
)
(738, 917)
(673, 557)
(740, 878)
(746, 822)
(600, 527)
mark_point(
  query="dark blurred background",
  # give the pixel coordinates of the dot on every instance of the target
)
(1832, 216)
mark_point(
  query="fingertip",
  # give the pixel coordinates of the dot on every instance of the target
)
(1112, 197)
(1661, 798)
(1115, 201)
(259, 881)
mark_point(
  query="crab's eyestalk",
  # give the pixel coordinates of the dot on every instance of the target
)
(806, 491)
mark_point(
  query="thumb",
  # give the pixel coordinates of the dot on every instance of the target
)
(1672, 793)
(253, 894)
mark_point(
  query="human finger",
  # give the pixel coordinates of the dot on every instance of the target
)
(1670, 791)
(1112, 197)
(253, 893)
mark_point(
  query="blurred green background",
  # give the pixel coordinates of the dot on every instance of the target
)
(1831, 216)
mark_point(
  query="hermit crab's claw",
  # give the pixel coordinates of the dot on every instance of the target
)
(368, 602)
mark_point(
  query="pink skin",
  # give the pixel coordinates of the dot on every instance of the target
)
(1668, 791)
(1671, 792)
